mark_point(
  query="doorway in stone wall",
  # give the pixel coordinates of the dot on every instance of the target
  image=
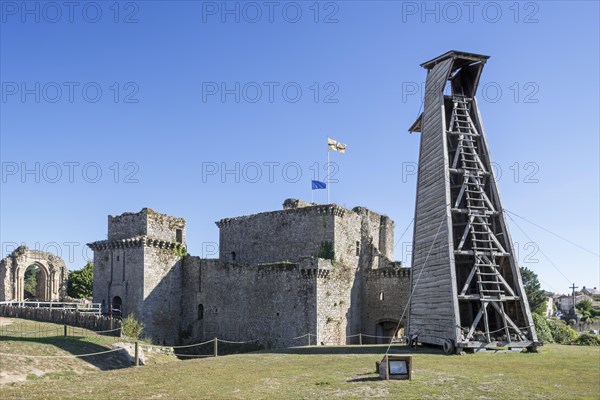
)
(388, 330)
(117, 305)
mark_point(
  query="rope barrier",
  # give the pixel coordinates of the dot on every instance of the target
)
(148, 347)
(195, 355)
(299, 337)
(71, 356)
(27, 332)
(109, 330)
(382, 337)
(177, 347)
(228, 341)
(124, 338)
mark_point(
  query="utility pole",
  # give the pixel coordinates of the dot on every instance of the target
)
(573, 287)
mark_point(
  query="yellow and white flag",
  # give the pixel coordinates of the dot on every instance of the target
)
(336, 146)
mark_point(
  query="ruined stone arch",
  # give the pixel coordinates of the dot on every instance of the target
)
(53, 275)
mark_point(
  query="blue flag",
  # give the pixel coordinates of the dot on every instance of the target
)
(318, 185)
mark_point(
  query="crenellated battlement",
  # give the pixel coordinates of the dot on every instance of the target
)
(391, 271)
(289, 207)
(141, 241)
(308, 268)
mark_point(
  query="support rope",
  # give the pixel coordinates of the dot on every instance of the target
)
(552, 233)
(418, 277)
(544, 254)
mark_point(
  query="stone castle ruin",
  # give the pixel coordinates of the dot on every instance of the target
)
(49, 270)
(319, 269)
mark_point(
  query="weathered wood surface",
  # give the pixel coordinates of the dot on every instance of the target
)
(431, 276)
(434, 310)
(72, 318)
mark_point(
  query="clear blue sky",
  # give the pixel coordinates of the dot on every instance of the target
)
(159, 118)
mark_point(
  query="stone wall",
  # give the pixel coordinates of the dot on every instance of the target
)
(165, 227)
(385, 295)
(161, 311)
(335, 305)
(276, 236)
(377, 234)
(118, 271)
(127, 225)
(7, 280)
(148, 223)
(272, 302)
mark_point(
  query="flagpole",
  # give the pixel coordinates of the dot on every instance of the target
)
(328, 178)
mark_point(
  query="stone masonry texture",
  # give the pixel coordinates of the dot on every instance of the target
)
(308, 268)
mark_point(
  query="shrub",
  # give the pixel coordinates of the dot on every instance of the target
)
(587, 339)
(326, 250)
(131, 327)
(561, 332)
(544, 333)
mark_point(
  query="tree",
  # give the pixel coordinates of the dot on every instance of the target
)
(30, 279)
(535, 295)
(542, 329)
(81, 282)
(587, 310)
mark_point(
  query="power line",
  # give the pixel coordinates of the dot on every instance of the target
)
(403, 233)
(552, 233)
(547, 284)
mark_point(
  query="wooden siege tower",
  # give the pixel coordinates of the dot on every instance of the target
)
(467, 291)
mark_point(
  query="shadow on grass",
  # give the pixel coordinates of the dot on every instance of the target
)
(79, 345)
(369, 379)
(368, 349)
(208, 350)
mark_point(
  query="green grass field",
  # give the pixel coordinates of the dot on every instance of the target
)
(556, 372)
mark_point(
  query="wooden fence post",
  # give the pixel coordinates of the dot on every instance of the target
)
(65, 329)
(137, 353)
(309, 339)
(216, 346)
(360, 339)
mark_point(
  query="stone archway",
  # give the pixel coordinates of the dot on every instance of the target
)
(34, 282)
(387, 330)
(52, 275)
